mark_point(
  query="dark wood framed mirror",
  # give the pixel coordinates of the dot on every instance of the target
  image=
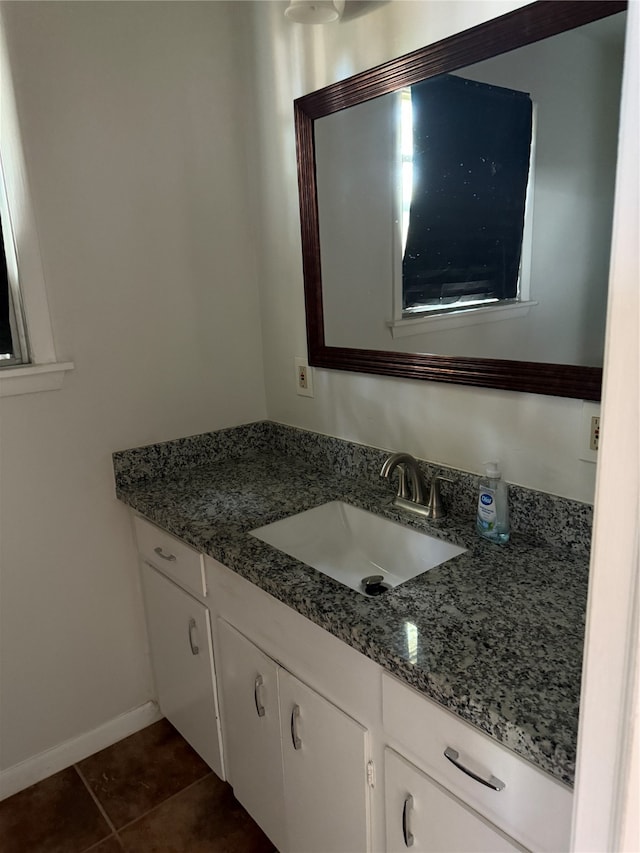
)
(518, 29)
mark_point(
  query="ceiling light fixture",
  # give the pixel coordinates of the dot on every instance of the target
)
(314, 11)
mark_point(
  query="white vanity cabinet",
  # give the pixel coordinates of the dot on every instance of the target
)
(251, 709)
(423, 817)
(179, 632)
(325, 772)
(295, 761)
(526, 804)
(327, 752)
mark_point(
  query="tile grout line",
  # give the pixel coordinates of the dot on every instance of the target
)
(99, 844)
(164, 802)
(97, 802)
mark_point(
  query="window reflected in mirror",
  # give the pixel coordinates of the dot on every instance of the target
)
(469, 151)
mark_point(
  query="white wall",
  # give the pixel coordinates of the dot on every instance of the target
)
(134, 144)
(357, 181)
(535, 437)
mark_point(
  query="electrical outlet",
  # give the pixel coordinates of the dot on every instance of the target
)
(589, 432)
(304, 377)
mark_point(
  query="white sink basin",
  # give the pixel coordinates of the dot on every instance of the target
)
(350, 544)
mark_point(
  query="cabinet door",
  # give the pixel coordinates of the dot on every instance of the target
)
(423, 817)
(251, 722)
(325, 756)
(182, 658)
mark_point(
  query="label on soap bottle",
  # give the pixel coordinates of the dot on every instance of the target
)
(487, 509)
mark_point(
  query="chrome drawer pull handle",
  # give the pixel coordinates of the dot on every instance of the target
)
(295, 715)
(170, 557)
(491, 782)
(192, 625)
(259, 706)
(406, 815)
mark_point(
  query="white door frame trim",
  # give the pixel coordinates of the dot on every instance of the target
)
(606, 808)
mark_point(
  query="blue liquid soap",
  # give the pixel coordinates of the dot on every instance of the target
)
(492, 521)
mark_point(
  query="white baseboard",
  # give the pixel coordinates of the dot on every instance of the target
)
(20, 776)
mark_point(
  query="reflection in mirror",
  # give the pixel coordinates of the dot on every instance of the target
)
(470, 214)
(466, 154)
(540, 330)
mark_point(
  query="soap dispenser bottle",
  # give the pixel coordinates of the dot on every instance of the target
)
(492, 520)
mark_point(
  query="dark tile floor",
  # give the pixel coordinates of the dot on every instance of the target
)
(149, 793)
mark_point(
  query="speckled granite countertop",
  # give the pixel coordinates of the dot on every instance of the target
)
(500, 627)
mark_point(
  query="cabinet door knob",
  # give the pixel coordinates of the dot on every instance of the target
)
(170, 557)
(406, 821)
(256, 697)
(295, 715)
(192, 626)
(491, 782)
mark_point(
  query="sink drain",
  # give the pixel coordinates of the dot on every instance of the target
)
(374, 585)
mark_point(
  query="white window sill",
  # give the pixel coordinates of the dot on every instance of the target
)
(32, 378)
(458, 319)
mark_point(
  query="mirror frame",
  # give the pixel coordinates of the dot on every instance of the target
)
(521, 27)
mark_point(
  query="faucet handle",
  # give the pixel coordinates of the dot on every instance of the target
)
(403, 483)
(443, 478)
(435, 505)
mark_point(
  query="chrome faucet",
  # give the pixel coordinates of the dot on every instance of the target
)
(407, 465)
(412, 488)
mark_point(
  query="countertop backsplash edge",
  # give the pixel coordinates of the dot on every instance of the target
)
(557, 521)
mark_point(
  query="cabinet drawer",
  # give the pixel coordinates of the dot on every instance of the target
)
(174, 558)
(424, 816)
(532, 807)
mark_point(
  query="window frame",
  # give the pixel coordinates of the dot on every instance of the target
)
(20, 345)
(43, 371)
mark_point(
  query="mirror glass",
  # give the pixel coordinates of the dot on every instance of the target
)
(467, 217)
